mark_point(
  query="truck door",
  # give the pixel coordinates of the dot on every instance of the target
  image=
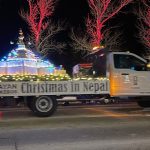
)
(128, 74)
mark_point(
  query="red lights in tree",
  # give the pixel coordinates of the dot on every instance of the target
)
(39, 19)
(37, 16)
(144, 25)
(102, 11)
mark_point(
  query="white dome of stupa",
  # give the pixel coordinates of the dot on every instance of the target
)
(23, 61)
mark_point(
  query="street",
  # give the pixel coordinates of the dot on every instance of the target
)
(77, 127)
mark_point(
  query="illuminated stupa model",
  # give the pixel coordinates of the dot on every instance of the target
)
(22, 61)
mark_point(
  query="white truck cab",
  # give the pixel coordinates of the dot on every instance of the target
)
(128, 75)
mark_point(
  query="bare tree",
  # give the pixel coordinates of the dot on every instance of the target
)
(42, 29)
(112, 38)
(144, 23)
(81, 41)
(101, 11)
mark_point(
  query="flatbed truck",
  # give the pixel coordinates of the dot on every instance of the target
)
(124, 75)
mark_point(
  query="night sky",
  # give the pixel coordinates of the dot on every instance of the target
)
(74, 12)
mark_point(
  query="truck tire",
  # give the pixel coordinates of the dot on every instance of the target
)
(144, 103)
(43, 106)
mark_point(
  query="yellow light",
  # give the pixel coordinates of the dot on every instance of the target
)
(148, 65)
(95, 47)
(76, 79)
(89, 78)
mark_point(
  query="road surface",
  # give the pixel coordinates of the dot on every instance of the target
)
(112, 127)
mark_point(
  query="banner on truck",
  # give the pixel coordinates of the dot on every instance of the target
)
(36, 88)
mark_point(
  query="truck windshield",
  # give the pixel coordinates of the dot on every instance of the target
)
(122, 61)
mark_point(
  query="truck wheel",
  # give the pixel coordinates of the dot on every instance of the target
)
(143, 103)
(43, 106)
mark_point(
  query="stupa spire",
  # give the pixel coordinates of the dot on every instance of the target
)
(21, 37)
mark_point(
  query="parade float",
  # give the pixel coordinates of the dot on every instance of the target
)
(41, 85)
